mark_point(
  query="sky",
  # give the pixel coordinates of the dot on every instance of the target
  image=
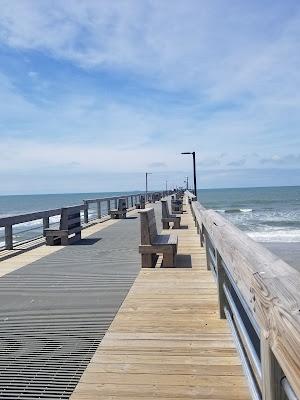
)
(95, 93)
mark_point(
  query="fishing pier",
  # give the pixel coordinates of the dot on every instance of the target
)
(112, 316)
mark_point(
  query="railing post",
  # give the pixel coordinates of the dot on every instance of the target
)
(132, 202)
(99, 209)
(206, 250)
(8, 232)
(201, 236)
(86, 212)
(116, 202)
(221, 279)
(271, 372)
(108, 207)
(45, 223)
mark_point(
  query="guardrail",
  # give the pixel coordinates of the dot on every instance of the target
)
(9, 222)
(259, 294)
(103, 205)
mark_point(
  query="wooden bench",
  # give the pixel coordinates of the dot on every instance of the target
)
(153, 244)
(69, 229)
(119, 212)
(156, 197)
(167, 217)
(150, 198)
(141, 203)
(176, 206)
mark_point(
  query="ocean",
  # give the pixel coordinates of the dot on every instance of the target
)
(270, 215)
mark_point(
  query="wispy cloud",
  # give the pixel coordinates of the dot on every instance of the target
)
(288, 159)
(237, 163)
(157, 164)
(97, 82)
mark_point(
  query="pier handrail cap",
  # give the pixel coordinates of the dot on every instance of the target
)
(145, 210)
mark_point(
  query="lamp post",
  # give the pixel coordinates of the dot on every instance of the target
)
(194, 167)
(147, 173)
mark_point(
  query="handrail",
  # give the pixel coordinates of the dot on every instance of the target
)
(9, 222)
(263, 285)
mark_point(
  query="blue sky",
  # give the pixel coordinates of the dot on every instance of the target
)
(95, 93)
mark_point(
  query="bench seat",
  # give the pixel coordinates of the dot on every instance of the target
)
(119, 212)
(114, 213)
(167, 217)
(69, 229)
(153, 244)
(161, 240)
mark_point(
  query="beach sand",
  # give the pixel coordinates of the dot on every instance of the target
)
(289, 252)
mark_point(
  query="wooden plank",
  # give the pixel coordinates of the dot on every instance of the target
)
(167, 341)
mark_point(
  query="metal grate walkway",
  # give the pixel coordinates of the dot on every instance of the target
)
(55, 311)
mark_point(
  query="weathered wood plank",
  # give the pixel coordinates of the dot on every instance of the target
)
(167, 341)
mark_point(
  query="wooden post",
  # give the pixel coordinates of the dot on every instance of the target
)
(271, 372)
(201, 236)
(45, 222)
(116, 202)
(86, 212)
(206, 250)
(8, 237)
(99, 209)
(108, 206)
(221, 279)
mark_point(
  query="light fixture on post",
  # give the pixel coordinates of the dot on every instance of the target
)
(147, 173)
(194, 167)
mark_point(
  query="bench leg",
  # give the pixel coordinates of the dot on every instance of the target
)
(166, 225)
(148, 260)
(50, 241)
(65, 240)
(169, 260)
(176, 223)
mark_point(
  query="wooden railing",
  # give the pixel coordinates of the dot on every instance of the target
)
(259, 294)
(108, 203)
(103, 205)
(9, 222)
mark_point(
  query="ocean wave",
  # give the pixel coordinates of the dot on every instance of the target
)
(235, 210)
(292, 236)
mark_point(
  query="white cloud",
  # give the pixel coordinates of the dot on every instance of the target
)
(231, 71)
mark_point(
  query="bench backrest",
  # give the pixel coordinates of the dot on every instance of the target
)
(156, 196)
(122, 205)
(148, 226)
(70, 218)
(165, 209)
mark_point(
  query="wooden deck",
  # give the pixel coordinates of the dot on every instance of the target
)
(167, 341)
(56, 304)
